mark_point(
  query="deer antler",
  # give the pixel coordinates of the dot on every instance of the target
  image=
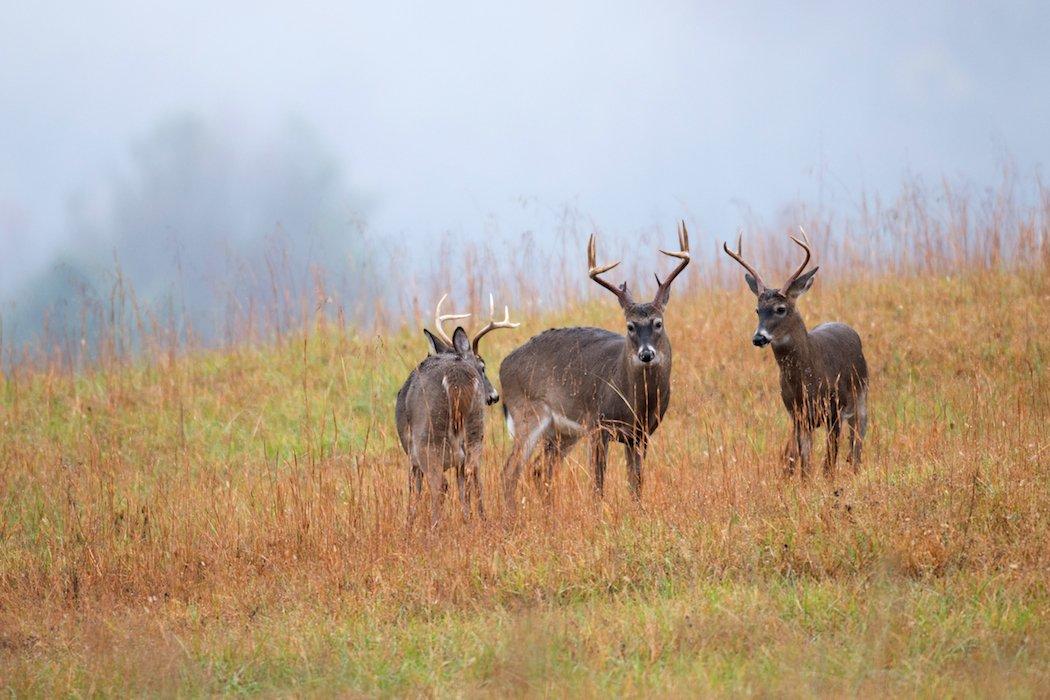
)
(439, 319)
(802, 267)
(594, 271)
(682, 254)
(493, 324)
(738, 256)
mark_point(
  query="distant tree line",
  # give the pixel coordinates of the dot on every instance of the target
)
(200, 232)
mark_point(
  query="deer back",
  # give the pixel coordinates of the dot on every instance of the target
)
(443, 398)
(579, 373)
(820, 366)
(839, 355)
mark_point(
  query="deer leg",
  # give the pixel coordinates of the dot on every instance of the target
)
(804, 446)
(543, 469)
(432, 466)
(834, 429)
(790, 455)
(552, 459)
(474, 478)
(539, 466)
(461, 490)
(511, 472)
(635, 452)
(553, 456)
(519, 456)
(599, 457)
(858, 428)
(415, 490)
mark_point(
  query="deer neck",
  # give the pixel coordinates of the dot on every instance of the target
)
(794, 352)
(647, 386)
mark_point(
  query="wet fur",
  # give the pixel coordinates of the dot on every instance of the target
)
(823, 381)
(567, 383)
(439, 413)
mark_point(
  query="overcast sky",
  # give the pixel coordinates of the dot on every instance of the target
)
(446, 115)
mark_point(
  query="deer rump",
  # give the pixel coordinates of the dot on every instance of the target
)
(568, 382)
(440, 407)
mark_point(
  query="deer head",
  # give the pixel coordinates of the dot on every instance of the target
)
(778, 316)
(491, 395)
(645, 324)
(459, 344)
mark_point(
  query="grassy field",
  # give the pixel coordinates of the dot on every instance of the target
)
(235, 521)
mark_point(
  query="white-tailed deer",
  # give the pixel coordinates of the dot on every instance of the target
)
(823, 375)
(440, 414)
(569, 382)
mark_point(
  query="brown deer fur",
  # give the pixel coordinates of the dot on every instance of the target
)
(566, 383)
(823, 373)
(440, 412)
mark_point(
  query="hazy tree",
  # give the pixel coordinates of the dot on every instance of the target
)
(201, 222)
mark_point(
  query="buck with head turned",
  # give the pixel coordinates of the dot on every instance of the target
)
(566, 383)
(823, 374)
(440, 414)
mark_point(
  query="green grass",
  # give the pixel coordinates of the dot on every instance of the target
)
(779, 635)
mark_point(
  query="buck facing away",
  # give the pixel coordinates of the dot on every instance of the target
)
(566, 383)
(823, 374)
(440, 414)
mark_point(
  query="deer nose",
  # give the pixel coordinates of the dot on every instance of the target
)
(760, 338)
(491, 398)
(646, 355)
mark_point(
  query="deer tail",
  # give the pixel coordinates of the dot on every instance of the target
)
(462, 391)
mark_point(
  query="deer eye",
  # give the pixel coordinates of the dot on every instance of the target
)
(658, 324)
(630, 327)
(781, 310)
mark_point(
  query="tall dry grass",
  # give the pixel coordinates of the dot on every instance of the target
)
(944, 227)
(234, 519)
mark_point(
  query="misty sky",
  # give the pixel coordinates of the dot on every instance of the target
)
(446, 116)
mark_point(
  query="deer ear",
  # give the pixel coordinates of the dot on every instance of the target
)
(801, 285)
(752, 283)
(461, 341)
(626, 300)
(435, 345)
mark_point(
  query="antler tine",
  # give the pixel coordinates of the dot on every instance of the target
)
(683, 244)
(493, 324)
(439, 319)
(593, 270)
(804, 244)
(804, 237)
(682, 254)
(738, 256)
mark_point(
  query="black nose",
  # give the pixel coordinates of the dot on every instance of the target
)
(759, 340)
(491, 399)
(646, 355)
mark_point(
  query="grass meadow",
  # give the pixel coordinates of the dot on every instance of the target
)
(233, 520)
